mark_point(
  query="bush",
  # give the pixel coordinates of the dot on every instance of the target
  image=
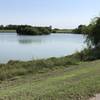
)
(88, 54)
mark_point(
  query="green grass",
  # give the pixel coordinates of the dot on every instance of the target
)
(7, 31)
(52, 79)
(64, 31)
(18, 68)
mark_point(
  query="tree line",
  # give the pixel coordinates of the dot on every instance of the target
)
(27, 29)
(8, 27)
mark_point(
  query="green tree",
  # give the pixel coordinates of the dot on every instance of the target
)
(29, 30)
(80, 29)
(93, 31)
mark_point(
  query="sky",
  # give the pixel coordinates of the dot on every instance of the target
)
(58, 13)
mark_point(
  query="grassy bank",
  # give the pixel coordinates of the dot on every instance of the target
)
(53, 79)
(18, 68)
(7, 31)
(64, 31)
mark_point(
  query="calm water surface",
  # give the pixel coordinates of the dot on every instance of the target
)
(13, 47)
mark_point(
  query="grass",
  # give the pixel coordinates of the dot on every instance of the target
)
(51, 79)
(64, 31)
(7, 31)
(18, 68)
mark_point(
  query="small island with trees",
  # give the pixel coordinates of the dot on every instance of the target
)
(29, 30)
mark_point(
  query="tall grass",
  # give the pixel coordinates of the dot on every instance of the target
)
(77, 82)
(17, 68)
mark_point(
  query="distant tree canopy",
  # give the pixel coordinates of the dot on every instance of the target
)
(8, 27)
(80, 29)
(29, 30)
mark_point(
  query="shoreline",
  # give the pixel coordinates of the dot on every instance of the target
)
(60, 32)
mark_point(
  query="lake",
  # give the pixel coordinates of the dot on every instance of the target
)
(14, 47)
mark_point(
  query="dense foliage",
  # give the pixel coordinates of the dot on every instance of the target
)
(94, 32)
(29, 30)
(80, 29)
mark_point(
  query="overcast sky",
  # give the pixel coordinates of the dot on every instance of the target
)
(58, 13)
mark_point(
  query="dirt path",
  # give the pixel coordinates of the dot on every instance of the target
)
(96, 98)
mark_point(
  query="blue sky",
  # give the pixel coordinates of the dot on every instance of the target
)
(58, 13)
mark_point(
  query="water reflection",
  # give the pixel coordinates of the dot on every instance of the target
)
(31, 39)
(28, 41)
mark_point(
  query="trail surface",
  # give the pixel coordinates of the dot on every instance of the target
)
(97, 97)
